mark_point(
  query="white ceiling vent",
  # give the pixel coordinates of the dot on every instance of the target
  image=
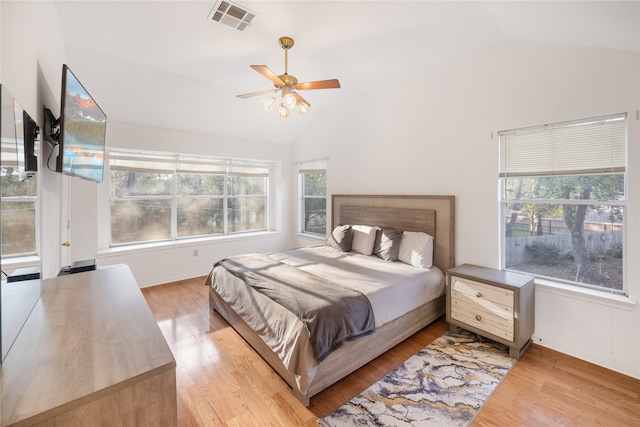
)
(231, 14)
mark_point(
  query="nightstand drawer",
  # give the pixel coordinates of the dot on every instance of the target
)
(479, 306)
(482, 291)
(473, 314)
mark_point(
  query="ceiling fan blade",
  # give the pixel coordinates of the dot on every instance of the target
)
(265, 71)
(299, 98)
(320, 84)
(262, 92)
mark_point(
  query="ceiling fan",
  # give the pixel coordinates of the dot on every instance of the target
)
(287, 85)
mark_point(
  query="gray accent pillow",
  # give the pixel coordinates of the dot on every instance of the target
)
(341, 238)
(387, 244)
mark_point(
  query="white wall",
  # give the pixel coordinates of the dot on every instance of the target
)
(437, 134)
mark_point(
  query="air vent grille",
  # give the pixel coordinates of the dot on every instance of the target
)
(231, 14)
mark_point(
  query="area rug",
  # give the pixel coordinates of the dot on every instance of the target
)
(444, 384)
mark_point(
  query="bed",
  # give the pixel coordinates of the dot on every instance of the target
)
(277, 334)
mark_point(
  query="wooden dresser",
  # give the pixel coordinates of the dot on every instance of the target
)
(495, 304)
(90, 354)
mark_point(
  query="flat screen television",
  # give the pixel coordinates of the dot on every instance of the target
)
(83, 127)
(26, 135)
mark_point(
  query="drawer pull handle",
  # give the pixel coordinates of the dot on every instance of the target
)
(478, 317)
(478, 295)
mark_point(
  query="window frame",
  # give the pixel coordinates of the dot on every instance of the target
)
(304, 168)
(264, 168)
(10, 161)
(612, 168)
(211, 197)
(229, 196)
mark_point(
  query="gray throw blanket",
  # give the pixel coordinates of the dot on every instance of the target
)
(331, 313)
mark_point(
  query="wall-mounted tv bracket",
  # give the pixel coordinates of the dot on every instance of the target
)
(33, 128)
(51, 128)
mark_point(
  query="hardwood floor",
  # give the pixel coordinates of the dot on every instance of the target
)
(222, 382)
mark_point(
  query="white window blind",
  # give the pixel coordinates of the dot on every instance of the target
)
(141, 162)
(310, 166)
(164, 163)
(201, 165)
(249, 168)
(595, 145)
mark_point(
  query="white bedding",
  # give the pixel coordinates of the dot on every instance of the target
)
(393, 288)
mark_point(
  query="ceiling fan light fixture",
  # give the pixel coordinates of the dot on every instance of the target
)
(283, 111)
(302, 107)
(287, 86)
(288, 100)
(269, 103)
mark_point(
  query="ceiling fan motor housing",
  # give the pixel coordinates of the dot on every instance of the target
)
(288, 80)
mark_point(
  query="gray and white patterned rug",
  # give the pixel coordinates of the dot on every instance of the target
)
(444, 384)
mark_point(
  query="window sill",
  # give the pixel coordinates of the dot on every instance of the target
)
(20, 262)
(312, 236)
(585, 294)
(117, 250)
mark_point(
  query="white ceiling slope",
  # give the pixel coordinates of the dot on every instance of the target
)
(163, 64)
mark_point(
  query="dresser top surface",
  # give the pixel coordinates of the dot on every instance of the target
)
(90, 332)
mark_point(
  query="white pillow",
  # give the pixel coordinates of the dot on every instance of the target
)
(363, 239)
(416, 249)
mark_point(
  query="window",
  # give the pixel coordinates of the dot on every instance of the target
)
(200, 194)
(246, 199)
(19, 200)
(156, 197)
(563, 201)
(313, 197)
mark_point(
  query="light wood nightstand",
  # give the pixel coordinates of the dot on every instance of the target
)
(496, 304)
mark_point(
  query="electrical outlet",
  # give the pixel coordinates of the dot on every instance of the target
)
(195, 252)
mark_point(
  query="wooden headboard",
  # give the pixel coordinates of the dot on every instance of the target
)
(434, 215)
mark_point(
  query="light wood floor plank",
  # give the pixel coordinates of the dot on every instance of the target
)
(222, 382)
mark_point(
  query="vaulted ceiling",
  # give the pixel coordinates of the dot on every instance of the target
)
(164, 64)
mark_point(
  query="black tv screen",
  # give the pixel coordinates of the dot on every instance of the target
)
(26, 134)
(83, 127)
(31, 131)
